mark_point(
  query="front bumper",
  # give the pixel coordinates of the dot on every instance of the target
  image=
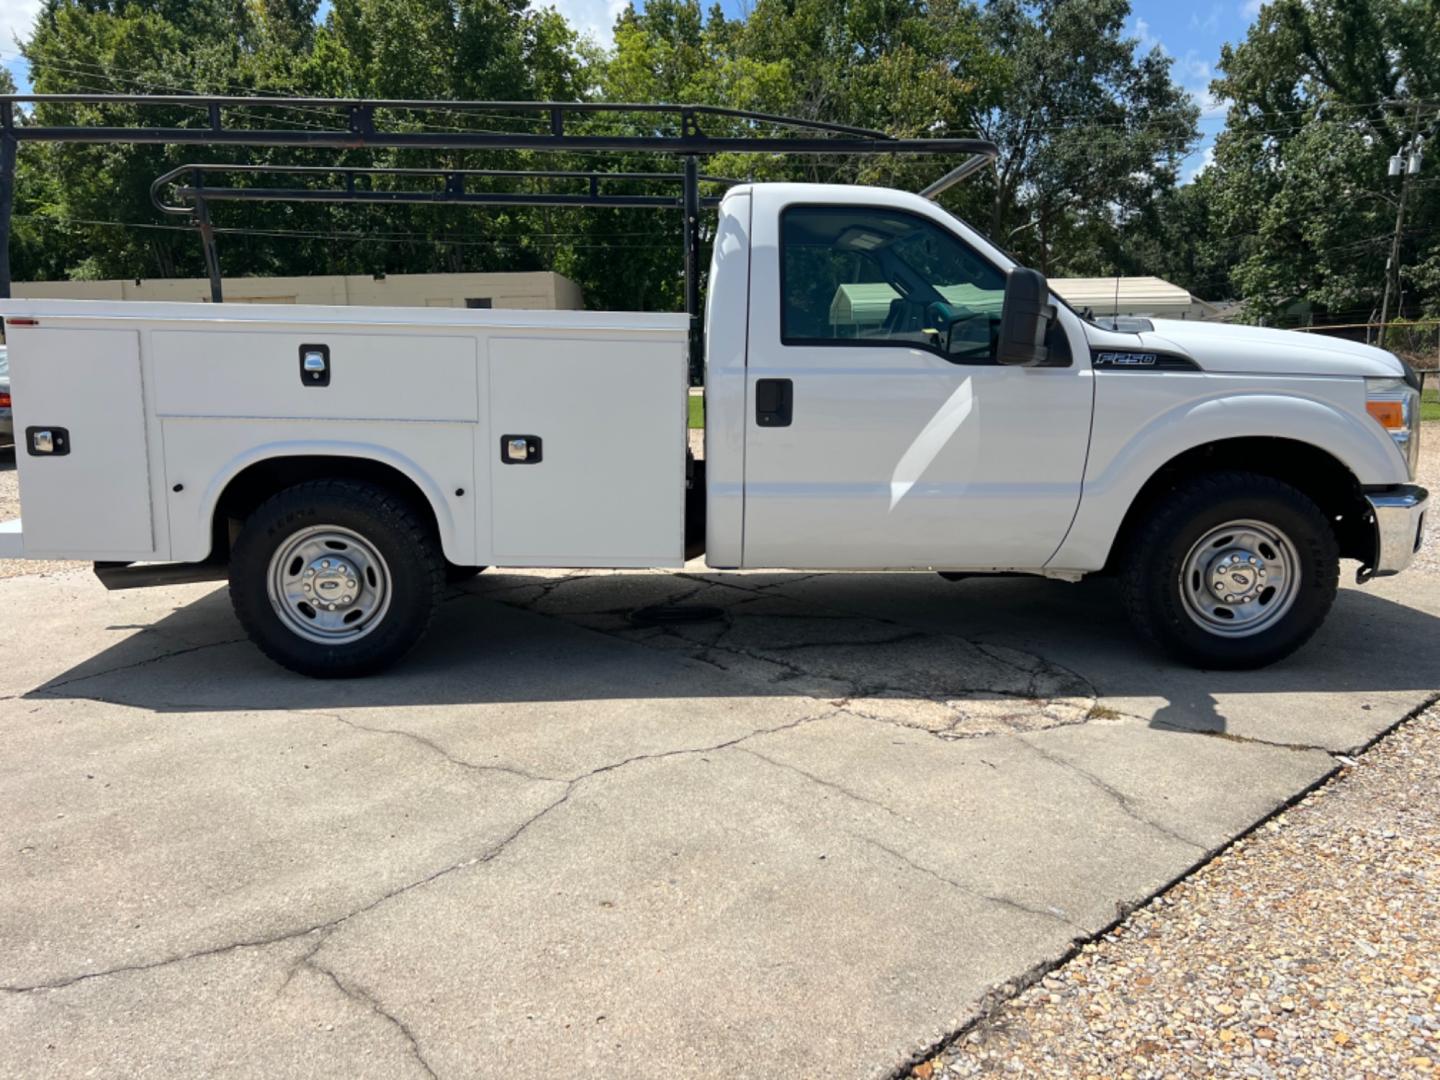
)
(1399, 528)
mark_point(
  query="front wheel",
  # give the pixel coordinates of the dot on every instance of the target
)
(335, 578)
(1231, 570)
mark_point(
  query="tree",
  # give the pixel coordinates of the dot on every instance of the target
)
(91, 203)
(1089, 132)
(1300, 182)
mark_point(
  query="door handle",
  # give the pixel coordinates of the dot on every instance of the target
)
(774, 402)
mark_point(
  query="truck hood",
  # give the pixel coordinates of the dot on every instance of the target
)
(1258, 350)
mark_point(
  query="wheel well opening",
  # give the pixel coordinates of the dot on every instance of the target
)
(255, 483)
(1318, 475)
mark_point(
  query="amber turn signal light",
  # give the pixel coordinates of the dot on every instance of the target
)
(1390, 414)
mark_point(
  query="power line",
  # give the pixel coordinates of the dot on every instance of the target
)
(378, 237)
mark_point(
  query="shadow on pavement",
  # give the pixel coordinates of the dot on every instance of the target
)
(957, 659)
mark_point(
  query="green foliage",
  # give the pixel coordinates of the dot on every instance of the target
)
(1429, 405)
(1089, 134)
(1299, 198)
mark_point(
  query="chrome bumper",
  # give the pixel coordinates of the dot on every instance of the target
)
(1399, 528)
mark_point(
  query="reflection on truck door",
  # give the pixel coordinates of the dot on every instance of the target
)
(905, 443)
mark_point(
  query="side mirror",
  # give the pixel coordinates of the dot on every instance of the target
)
(1025, 319)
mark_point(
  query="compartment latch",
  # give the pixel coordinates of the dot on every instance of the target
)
(47, 441)
(315, 365)
(520, 449)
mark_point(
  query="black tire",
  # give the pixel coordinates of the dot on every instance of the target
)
(455, 574)
(411, 568)
(1153, 569)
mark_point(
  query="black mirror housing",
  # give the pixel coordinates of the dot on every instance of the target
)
(1025, 319)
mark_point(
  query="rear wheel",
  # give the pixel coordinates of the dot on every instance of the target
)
(335, 578)
(1231, 570)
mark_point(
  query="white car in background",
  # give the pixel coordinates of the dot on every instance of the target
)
(7, 419)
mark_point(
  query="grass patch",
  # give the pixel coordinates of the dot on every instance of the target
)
(1429, 404)
(697, 411)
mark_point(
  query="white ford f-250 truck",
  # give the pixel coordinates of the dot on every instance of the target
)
(884, 390)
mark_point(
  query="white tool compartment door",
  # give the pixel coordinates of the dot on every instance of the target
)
(95, 498)
(606, 418)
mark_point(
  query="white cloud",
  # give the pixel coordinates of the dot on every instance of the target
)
(1209, 24)
(1211, 107)
(17, 19)
(1250, 9)
(593, 18)
(1194, 67)
(1206, 160)
(1148, 40)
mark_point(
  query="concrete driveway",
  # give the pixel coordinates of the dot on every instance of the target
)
(808, 837)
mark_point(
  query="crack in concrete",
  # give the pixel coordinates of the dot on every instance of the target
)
(986, 1006)
(896, 639)
(434, 747)
(487, 855)
(358, 994)
(1230, 736)
(51, 687)
(303, 961)
(840, 788)
(1123, 801)
(328, 925)
(713, 653)
(1004, 901)
(728, 744)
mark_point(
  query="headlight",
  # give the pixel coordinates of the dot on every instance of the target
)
(1395, 406)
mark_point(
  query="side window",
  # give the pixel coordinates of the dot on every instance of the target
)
(859, 276)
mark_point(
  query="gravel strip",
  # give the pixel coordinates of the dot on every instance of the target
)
(1309, 949)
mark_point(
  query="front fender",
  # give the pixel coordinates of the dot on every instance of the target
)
(192, 539)
(1141, 428)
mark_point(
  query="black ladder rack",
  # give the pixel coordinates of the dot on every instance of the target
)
(192, 193)
(348, 124)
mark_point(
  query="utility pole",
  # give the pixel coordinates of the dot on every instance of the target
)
(1404, 164)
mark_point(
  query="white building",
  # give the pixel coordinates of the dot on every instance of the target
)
(535, 290)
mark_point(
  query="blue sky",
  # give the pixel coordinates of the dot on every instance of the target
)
(1192, 35)
(1189, 33)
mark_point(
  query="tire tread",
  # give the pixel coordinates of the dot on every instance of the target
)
(1182, 504)
(279, 516)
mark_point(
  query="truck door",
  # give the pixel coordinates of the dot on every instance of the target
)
(880, 432)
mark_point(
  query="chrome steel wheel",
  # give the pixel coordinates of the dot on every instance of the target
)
(329, 584)
(1240, 578)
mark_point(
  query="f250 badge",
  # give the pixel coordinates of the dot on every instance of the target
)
(1128, 359)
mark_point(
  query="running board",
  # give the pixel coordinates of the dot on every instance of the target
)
(121, 575)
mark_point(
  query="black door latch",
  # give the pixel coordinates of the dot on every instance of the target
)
(774, 402)
(315, 365)
(47, 441)
(520, 449)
